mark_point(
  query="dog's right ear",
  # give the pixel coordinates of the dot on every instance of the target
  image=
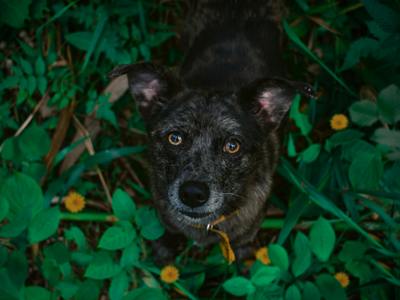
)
(150, 85)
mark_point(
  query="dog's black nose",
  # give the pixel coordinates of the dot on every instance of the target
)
(194, 193)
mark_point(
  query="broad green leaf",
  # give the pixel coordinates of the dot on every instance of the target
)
(352, 150)
(42, 84)
(119, 284)
(352, 250)
(302, 252)
(389, 104)
(279, 256)
(150, 226)
(322, 239)
(26, 67)
(238, 286)
(360, 48)
(145, 293)
(265, 275)
(123, 205)
(34, 143)
(364, 113)
(76, 235)
(310, 291)
(67, 288)
(80, 40)
(57, 251)
(344, 137)
(360, 269)
(293, 293)
(387, 137)
(365, 171)
(117, 237)
(330, 288)
(88, 290)
(310, 154)
(44, 224)
(22, 194)
(14, 13)
(300, 119)
(37, 293)
(130, 255)
(4, 207)
(8, 291)
(102, 267)
(291, 146)
(16, 225)
(40, 67)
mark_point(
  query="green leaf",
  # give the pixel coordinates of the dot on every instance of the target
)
(80, 40)
(88, 290)
(330, 288)
(67, 289)
(360, 48)
(40, 67)
(119, 284)
(26, 67)
(4, 207)
(102, 267)
(31, 85)
(365, 171)
(293, 293)
(310, 154)
(22, 194)
(76, 235)
(123, 205)
(291, 146)
(34, 143)
(352, 250)
(150, 226)
(389, 104)
(14, 13)
(322, 239)
(310, 291)
(117, 237)
(42, 84)
(130, 255)
(37, 293)
(279, 256)
(44, 224)
(8, 291)
(387, 137)
(238, 286)
(302, 252)
(300, 119)
(17, 267)
(364, 113)
(360, 269)
(145, 293)
(344, 137)
(352, 150)
(387, 18)
(265, 275)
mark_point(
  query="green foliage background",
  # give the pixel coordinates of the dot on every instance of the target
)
(335, 208)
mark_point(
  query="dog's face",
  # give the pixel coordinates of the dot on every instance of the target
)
(207, 148)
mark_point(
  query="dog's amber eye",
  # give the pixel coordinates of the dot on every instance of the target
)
(232, 146)
(174, 138)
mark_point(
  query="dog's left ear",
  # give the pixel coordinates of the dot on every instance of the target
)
(151, 86)
(270, 99)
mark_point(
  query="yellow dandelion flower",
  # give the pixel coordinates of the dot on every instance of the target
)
(169, 274)
(74, 202)
(262, 256)
(343, 279)
(339, 122)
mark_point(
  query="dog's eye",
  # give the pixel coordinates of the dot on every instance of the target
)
(175, 138)
(232, 146)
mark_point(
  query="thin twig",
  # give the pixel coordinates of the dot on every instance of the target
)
(30, 117)
(90, 148)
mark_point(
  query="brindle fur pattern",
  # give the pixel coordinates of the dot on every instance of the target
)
(227, 88)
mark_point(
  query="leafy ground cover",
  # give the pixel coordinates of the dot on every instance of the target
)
(76, 220)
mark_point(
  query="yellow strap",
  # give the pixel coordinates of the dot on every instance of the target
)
(225, 243)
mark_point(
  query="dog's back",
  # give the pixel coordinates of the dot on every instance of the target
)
(230, 43)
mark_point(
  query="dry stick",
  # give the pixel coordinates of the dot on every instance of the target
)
(90, 148)
(131, 171)
(116, 89)
(30, 117)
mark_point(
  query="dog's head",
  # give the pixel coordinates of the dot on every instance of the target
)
(208, 148)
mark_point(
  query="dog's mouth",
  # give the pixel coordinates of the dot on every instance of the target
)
(196, 215)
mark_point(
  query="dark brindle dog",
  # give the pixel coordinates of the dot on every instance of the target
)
(213, 129)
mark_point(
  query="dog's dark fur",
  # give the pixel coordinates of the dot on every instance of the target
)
(228, 88)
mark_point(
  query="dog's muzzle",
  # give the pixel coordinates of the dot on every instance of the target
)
(194, 193)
